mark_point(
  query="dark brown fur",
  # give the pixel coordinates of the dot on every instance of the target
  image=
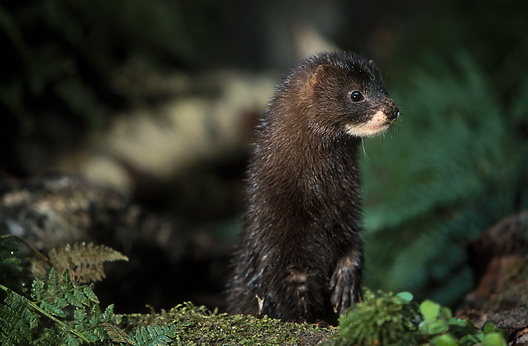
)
(301, 255)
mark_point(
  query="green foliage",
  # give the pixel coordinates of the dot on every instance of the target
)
(18, 320)
(60, 292)
(454, 166)
(456, 161)
(54, 300)
(59, 311)
(441, 328)
(61, 60)
(389, 319)
(157, 335)
(23, 320)
(381, 319)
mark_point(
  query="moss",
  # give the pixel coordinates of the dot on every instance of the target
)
(381, 319)
(197, 325)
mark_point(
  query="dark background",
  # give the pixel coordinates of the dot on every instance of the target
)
(77, 75)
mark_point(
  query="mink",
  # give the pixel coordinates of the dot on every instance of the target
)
(301, 256)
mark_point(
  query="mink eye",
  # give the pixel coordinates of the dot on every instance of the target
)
(355, 96)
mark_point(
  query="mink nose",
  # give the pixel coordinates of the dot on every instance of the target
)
(394, 115)
(392, 111)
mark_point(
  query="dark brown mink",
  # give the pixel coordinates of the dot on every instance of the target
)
(301, 255)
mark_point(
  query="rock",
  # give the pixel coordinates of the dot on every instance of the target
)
(499, 259)
(165, 264)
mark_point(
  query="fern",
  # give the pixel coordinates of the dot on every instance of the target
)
(154, 335)
(60, 292)
(91, 322)
(117, 334)
(452, 168)
(456, 163)
(60, 311)
(73, 309)
(84, 261)
(18, 320)
(22, 305)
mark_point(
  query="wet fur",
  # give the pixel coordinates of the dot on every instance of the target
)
(301, 256)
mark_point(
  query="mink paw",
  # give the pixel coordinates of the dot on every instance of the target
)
(345, 284)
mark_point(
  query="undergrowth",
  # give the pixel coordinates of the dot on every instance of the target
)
(60, 308)
(454, 166)
(395, 319)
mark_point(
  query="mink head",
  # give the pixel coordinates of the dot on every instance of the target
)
(343, 95)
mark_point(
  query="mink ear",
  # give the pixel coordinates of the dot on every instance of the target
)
(322, 70)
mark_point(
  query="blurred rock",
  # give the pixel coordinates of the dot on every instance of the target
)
(166, 266)
(499, 259)
(198, 118)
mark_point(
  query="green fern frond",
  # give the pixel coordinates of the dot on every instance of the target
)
(60, 292)
(73, 309)
(17, 320)
(154, 335)
(117, 334)
(89, 322)
(51, 299)
(84, 261)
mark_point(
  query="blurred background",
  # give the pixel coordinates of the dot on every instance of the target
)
(158, 99)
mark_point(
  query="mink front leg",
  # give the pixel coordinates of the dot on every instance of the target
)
(345, 284)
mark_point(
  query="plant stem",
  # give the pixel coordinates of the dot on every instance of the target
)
(45, 313)
(29, 246)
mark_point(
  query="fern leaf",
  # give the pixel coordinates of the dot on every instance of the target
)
(89, 293)
(17, 320)
(84, 261)
(154, 335)
(93, 324)
(69, 339)
(55, 287)
(17, 304)
(49, 296)
(77, 296)
(52, 336)
(37, 289)
(117, 334)
(86, 272)
(54, 297)
(52, 309)
(84, 325)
